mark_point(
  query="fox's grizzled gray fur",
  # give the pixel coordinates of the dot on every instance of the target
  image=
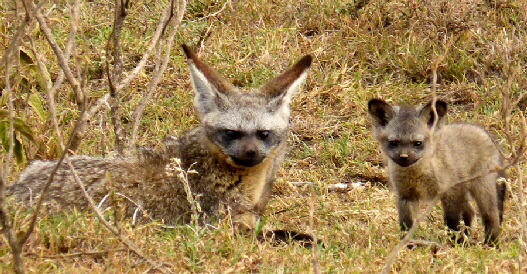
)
(423, 164)
(235, 151)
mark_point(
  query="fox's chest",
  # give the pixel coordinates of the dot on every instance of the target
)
(414, 183)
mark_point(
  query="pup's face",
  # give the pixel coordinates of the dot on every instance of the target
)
(404, 131)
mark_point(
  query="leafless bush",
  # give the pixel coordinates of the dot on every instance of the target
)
(72, 70)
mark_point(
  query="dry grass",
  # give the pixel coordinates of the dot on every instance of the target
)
(362, 49)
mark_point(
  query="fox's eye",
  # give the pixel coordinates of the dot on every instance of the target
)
(393, 143)
(418, 143)
(263, 134)
(233, 134)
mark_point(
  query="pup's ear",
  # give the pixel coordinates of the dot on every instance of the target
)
(380, 112)
(427, 113)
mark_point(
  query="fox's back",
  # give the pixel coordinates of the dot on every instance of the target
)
(96, 174)
(466, 151)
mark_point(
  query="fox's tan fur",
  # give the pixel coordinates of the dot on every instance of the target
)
(423, 164)
(235, 152)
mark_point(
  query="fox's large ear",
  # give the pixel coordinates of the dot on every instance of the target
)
(427, 113)
(286, 84)
(380, 112)
(210, 87)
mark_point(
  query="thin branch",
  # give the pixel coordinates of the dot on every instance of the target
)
(11, 118)
(114, 76)
(40, 201)
(15, 40)
(74, 15)
(521, 198)
(158, 74)
(7, 58)
(79, 94)
(80, 124)
(5, 222)
(50, 98)
(7, 229)
(164, 20)
(314, 260)
(83, 121)
(129, 244)
(78, 254)
(228, 2)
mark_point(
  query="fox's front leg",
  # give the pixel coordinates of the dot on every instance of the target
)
(245, 221)
(407, 208)
(254, 193)
(243, 210)
(252, 207)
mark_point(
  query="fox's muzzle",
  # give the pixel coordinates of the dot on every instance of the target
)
(248, 158)
(404, 160)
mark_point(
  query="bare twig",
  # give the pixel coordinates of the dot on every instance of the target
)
(78, 254)
(521, 198)
(316, 266)
(75, 81)
(129, 244)
(7, 59)
(50, 98)
(42, 197)
(79, 94)
(69, 46)
(74, 138)
(114, 76)
(83, 121)
(164, 20)
(11, 120)
(228, 2)
(158, 73)
(409, 234)
(511, 71)
(516, 138)
(7, 228)
(138, 207)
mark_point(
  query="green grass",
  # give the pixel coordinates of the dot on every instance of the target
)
(379, 49)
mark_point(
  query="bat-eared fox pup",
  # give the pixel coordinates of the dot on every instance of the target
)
(425, 161)
(234, 155)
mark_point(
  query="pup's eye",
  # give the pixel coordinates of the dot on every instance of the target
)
(418, 143)
(233, 134)
(393, 143)
(263, 134)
